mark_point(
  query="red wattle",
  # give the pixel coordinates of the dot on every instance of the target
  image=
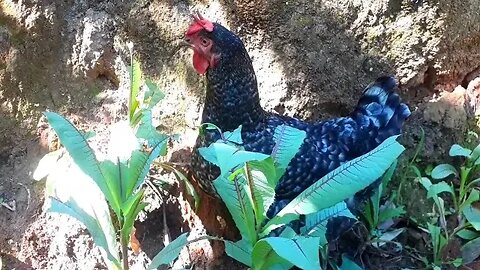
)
(200, 63)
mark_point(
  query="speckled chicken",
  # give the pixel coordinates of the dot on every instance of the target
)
(232, 100)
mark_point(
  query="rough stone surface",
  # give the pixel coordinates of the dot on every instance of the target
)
(449, 110)
(312, 60)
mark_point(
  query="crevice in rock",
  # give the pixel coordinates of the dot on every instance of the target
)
(429, 79)
(470, 76)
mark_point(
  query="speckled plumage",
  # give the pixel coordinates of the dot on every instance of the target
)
(232, 100)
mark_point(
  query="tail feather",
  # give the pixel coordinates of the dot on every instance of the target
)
(380, 112)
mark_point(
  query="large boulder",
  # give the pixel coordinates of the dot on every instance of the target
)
(312, 60)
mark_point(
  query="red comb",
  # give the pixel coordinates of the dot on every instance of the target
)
(199, 23)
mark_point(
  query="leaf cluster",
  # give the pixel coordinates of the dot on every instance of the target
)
(247, 186)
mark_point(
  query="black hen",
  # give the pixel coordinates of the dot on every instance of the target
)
(232, 99)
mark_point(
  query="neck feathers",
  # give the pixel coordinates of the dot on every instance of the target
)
(232, 94)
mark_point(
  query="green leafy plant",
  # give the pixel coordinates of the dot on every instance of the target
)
(378, 217)
(94, 191)
(463, 193)
(247, 186)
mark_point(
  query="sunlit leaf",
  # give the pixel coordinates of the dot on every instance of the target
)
(93, 226)
(228, 157)
(139, 166)
(263, 194)
(153, 95)
(235, 195)
(265, 258)
(302, 251)
(80, 151)
(287, 143)
(135, 83)
(340, 184)
(234, 136)
(47, 164)
(316, 223)
(130, 210)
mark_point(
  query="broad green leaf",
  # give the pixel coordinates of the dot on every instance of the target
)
(228, 157)
(234, 136)
(113, 178)
(170, 252)
(135, 83)
(348, 264)
(130, 210)
(473, 216)
(153, 95)
(137, 117)
(316, 223)
(426, 183)
(390, 212)
(139, 166)
(471, 251)
(288, 232)
(434, 189)
(287, 143)
(47, 164)
(443, 170)
(459, 151)
(80, 151)
(457, 262)
(475, 155)
(438, 240)
(438, 188)
(263, 194)
(235, 195)
(468, 234)
(147, 131)
(302, 251)
(341, 183)
(93, 226)
(265, 258)
(240, 251)
(372, 210)
(474, 196)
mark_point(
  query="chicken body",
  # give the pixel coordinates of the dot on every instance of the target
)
(232, 100)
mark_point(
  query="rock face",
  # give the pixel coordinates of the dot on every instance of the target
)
(312, 60)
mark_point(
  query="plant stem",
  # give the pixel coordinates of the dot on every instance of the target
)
(464, 172)
(124, 251)
(124, 246)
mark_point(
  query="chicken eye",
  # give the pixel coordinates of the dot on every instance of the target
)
(204, 41)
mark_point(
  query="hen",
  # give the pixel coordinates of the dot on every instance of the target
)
(232, 100)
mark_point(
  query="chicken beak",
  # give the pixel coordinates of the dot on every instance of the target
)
(184, 44)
